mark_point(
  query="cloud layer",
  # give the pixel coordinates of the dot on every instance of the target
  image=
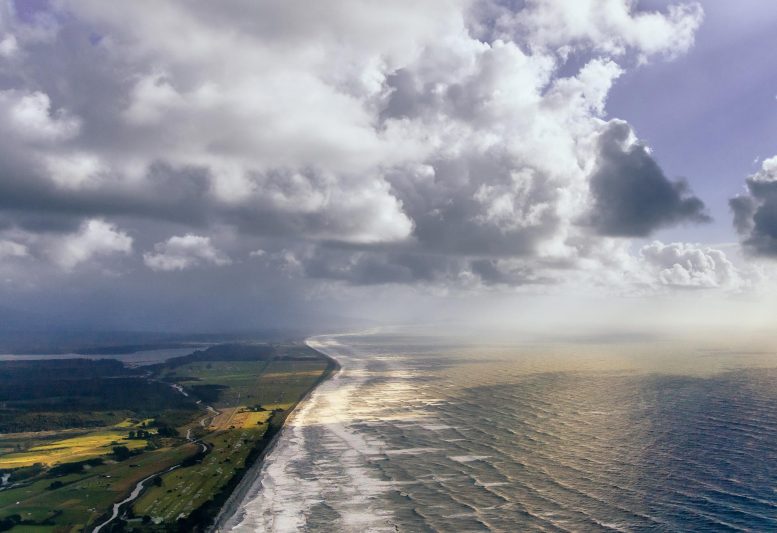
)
(443, 143)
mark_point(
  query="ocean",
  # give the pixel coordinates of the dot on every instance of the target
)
(427, 433)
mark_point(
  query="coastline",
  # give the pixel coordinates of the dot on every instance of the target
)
(230, 509)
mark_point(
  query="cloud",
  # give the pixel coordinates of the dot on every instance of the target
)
(184, 252)
(398, 267)
(686, 265)
(373, 267)
(755, 212)
(94, 238)
(8, 46)
(450, 143)
(90, 242)
(632, 196)
(611, 27)
(28, 116)
(10, 249)
(502, 272)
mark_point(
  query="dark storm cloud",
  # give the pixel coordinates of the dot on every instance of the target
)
(403, 264)
(755, 214)
(38, 222)
(632, 196)
(170, 195)
(743, 208)
(376, 267)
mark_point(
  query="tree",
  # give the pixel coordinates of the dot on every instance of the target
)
(121, 453)
(167, 431)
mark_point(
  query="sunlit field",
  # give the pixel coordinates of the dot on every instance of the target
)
(94, 444)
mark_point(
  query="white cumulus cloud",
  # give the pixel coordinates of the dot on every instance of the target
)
(691, 266)
(184, 252)
(94, 238)
(607, 26)
(28, 115)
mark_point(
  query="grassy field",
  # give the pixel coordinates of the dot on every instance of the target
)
(186, 489)
(272, 384)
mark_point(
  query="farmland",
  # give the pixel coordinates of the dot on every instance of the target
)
(84, 496)
(186, 489)
(210, 429)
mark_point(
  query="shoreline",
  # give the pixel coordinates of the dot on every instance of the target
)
(230, 508)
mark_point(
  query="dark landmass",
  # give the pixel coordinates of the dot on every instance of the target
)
(85, 342)
(42, 395)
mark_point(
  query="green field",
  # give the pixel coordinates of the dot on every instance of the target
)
(67, 478)
(186, 489)
(254, 382)
(83, 497)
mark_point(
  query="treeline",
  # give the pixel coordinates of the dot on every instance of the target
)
(226, 352)
(13, 371)
(126, 393)
(16, 421)
(75, 467)
(245, 352)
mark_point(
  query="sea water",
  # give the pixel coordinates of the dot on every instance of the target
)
(425, 433)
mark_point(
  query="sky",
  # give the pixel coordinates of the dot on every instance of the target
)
(192, 165)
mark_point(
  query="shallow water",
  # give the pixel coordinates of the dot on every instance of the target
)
(423, 434)
(139, 358)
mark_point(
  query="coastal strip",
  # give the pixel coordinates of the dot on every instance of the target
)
(231, 510)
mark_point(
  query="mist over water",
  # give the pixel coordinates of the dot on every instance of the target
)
(420, 433)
